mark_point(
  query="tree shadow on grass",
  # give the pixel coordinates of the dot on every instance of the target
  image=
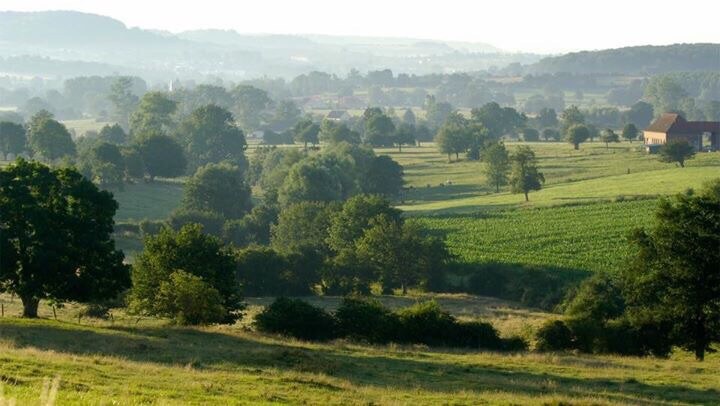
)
(205, 349)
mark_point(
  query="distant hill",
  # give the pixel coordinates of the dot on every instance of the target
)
(635, 60)
(81, 37)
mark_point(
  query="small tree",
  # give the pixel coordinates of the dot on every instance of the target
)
(525, 176)
(190, 251)
(188, 299)
(677, 151)
(56, 237)
(577, 134)
(675, 276)
(530, 135)
(550, 134)
(404, 135)
(630, 132)
(105, 163)
(609, 136)
(497, 164)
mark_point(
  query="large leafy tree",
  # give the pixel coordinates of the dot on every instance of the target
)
(248, 104)
(312, 180)
(525, 176)
(497, 164)
(675, 276)
(123, 99)
(676, 151)
(190, 251)
(454, 135)
(113, 134)
(303, 226)
(211, 136)
(384, 176)
(348, 224)
(399, 254)
(55, 237)
(404, 135)
(607, 136)
(154, 115)
(379, 128)
(306, 131)
(48, 138)
(12, 138)
(220, 188)
(162, 156)
(103, 163)
(498, 120)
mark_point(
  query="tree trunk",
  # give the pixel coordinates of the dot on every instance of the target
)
(399, 147)
(526, 196)
(577, 146)
(449, 158)
(30, 306)
(457, 156)
(700, 336)
(404, 289)
(682, 164)
(497, 187)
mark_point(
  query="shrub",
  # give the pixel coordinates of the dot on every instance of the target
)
(212, 223)
(514, 344)
(366, 320)
(296, 318)
(554, 336)
(188, 299)
(149, 227)
(475, 334)
(95, 311)
(425, 323)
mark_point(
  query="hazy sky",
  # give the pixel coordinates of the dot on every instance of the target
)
(547, 26)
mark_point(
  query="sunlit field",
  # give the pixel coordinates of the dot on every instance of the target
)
(124, 360)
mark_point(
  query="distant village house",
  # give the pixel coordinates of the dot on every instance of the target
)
(338, 115)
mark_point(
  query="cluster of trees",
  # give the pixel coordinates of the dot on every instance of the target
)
(667, 296)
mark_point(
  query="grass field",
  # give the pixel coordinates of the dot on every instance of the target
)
(151, 201)
(122, 362)
(81, 126)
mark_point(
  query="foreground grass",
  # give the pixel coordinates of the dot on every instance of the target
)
(120, 362)
(125, 365)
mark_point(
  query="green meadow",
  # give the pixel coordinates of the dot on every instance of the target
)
(124, 360)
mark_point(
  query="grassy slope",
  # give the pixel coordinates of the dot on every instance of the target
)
(121, 362)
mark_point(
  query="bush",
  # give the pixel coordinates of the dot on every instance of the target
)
(148, 227)
(95, 311)
(554, 336)
(514, 344)
(296, 318)
(212, 223)
(476, 334)
(366, 320)
(188, 299)
(426, 323)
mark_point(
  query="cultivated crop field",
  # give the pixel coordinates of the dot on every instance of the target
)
(588, 237)
(122, 361)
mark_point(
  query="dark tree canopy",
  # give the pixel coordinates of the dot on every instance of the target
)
(630, 132)
(219, 188)
(12, 138)
(113, 134)
(675, 276)
(55, 237)
(162, 156)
